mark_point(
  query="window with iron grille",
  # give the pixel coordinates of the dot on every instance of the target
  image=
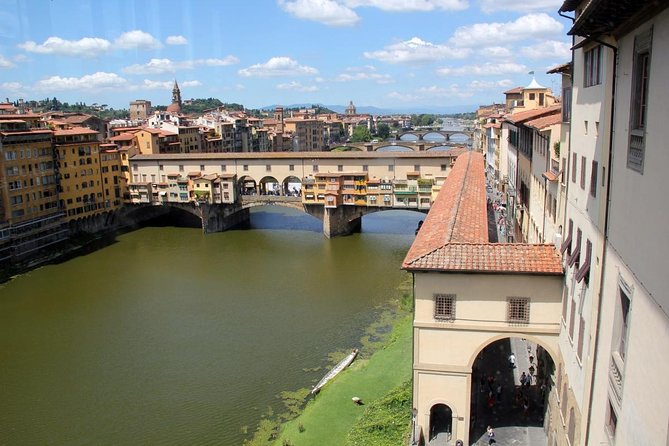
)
(518, 310)
(639, 100)
(444, 307)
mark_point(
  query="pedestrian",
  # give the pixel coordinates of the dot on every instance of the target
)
(523, 379)
(498, 391)
(512, 361)
(491, 435)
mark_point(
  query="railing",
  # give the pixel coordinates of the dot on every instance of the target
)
(616, 376)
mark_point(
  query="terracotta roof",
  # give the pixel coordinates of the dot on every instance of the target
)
(563, 68)
(527, 115)
(454, 236)
(550, 176)
(123, 137)
(545, 121)
(516, 90)
(75, 131)
(491, 258)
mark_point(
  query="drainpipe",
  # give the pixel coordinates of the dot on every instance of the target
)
(607, 211)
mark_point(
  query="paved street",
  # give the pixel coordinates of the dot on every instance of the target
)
(517, 418)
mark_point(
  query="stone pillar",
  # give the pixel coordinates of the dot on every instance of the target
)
(369, 147)
(343, 220)
(220, 217)
(420, 137)
(421, 147)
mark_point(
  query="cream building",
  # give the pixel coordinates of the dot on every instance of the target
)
(629, 324)
(471, 293)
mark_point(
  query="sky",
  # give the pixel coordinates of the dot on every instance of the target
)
(398, 54)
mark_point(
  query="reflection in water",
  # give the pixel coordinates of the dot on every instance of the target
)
(409, 137)
(170, 336)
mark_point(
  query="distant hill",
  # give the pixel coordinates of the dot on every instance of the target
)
(448, 109)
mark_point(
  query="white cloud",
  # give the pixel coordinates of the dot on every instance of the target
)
(160, 66)
(496, 52)
(166, 85)
(538, 26)
(176, 40)
(452, 90)
(296, 86)
(136, 39)
(277, 66)
(490, 85)
(415, 50)
(328, 12)
(486, 69)
(91, 46)
(240, 87)
(86, 47)
(489, 6)
(410, 5)
(20, 58)
(403, 97)
(95, 81)
(367, 72)
(12, 86)
(548, 49)
(6, 63)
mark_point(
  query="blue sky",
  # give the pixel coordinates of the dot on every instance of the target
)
(385, 53)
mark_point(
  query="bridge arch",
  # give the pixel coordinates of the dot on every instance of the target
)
(247, 185)
(269, 185)
(435, 137)
(291, 186)
(346, 148)
(395, 148)
(409, 137)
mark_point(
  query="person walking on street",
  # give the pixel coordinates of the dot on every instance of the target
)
(512, 361)
(491, 435)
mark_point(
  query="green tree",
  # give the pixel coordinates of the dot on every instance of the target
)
(383, 130)
(361, 134)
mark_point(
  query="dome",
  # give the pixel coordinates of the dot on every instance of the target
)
(174, 108)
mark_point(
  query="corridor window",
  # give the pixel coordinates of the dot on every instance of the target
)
(593, 67)
(518, 310)
(639, 100)
(444, 307)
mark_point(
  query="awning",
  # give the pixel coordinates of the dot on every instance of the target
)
(162, 193)
(550, 176)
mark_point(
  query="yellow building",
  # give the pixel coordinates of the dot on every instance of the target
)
(29, 214)
(88, 185)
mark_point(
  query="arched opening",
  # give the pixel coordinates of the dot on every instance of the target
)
(511, 381)
(434, 137)
(459, 137)
(292, 186)
(441, 424)
(410, 137)
(269, 186)
(394, 148)
(247, 186)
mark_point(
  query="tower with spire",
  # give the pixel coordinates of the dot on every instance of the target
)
(175, 106)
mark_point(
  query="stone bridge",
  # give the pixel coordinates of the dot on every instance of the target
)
(420, 134)
(416, 146)
(342, 220)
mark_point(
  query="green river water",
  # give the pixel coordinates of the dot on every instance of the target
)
(168, 336)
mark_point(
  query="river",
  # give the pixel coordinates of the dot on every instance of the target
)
(168, 336)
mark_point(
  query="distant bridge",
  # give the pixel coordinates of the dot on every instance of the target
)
(420, 134)
(415, 146)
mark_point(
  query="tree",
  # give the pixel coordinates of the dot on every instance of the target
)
(361, 134)
(383, 130)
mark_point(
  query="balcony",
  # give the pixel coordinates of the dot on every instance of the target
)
(616, 367)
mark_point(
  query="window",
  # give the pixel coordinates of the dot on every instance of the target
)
(531, 96)
(340, 168)
(574, 159)
(585, 127)
(541, 98)
(581, 334)
(611, 420)
(416, 167)
(593, 178)
(572, 316)
(593, 67)
(268, 167)
(444, 307)
(565, 304)
(623, 322)
(391, 167)
(223, 168)
(584, 271)
(639, 100)
(443, 167)
(566, 104)
(160, 167)
(575, 257)
(315, 167)
(518, 310)
(291, 167)
(181, 167)
(583, 172)
(245, 167)
(365, 168)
